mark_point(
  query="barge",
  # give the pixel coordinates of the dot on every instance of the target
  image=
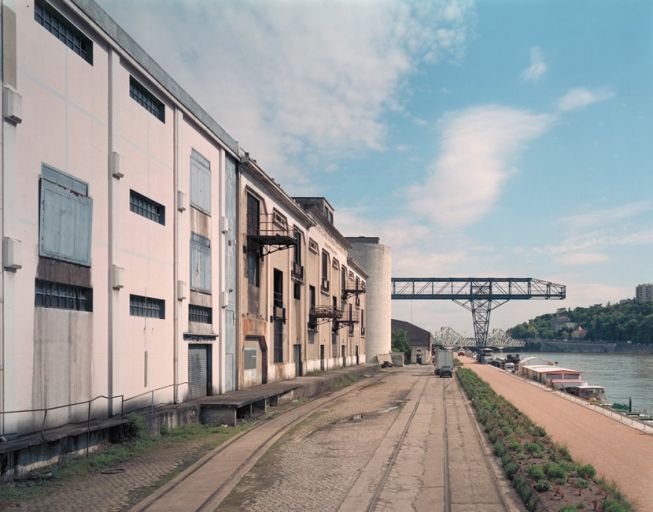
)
(564, 379)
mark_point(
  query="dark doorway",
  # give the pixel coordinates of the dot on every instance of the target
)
(199, 370)
(279, 315)
(322, 357)
(264, 360)
(357, 357)
(297, 357)
(343, 352)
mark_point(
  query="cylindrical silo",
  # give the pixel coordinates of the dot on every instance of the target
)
(376, 260)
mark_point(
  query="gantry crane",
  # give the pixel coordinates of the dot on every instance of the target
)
(480, 295)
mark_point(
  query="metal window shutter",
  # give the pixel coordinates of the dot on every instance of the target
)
(198, 370)
(65, 224)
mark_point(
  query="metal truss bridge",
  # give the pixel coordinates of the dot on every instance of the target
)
(480, 295)
(498, 338)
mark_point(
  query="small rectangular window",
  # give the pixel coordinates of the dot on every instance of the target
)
(147, 208)
(147, 307)
(200, 263)
(62, 296)
(200, 314)
(297, 291)
(64, 30)
(146, 99)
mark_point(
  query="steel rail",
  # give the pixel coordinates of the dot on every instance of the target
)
(445, 449)
(395, 452)
(213, 500)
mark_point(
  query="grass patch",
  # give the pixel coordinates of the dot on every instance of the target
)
(135, 442)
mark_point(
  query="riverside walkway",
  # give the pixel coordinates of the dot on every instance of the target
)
(619, 452)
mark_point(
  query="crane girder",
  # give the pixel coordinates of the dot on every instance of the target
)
(480, 295)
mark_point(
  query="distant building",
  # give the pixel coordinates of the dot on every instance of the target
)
(644, 292)
(419, 340)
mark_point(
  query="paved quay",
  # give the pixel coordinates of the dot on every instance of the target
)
(382, 449)
(620, 453)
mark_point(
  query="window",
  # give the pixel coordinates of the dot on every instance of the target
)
(147, 208)
(65, 218)
(250, 359)
(351, 323)
(147, 307)
(297, 291)
(63, 30)
(200, 263)
(146, 99)
(200, 182)
(312, 246)
(62, 296)
(253, 255)
(325, 271)
(362, 322)
(297, 248)
(200, 314)
(312, 320)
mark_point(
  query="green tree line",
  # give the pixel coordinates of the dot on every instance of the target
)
(627, 321)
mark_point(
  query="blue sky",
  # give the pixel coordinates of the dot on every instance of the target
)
(491, 138)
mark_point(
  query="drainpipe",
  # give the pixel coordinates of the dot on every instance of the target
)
(2, 233)
(237, 284)
(175, 255)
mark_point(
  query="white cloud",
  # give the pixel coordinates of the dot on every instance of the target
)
(581, 258)
(293, 78)
(605, 216)
(537, 67)
(581, 97)
(478, 148)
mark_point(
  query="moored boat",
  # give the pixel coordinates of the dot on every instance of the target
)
(564, 379)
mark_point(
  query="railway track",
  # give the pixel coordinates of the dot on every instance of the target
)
(433, 408)
(187, 492)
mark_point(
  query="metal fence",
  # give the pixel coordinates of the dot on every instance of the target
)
(121, 405)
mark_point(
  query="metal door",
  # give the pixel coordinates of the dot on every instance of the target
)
(199, 370)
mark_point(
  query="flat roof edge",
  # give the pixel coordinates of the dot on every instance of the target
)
(120, 36)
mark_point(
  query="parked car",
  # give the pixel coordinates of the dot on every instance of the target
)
(446, 371)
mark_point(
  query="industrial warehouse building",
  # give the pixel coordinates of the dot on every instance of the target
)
(147, 258)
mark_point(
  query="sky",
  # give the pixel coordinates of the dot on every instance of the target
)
(492, 138)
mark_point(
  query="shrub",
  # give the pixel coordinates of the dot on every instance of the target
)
(553, 470)
(542, 486)
(613, 506)
(538, 431)
(492, 436)
(581, 483)
(587, 471)
(568, 508)
(511, 469)
(534, 449)
(515, 447)
(499, 449)
(536, 472)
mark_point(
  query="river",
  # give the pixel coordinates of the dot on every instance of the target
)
(622, 375)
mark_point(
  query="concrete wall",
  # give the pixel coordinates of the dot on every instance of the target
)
(376, 259)
(75, 116)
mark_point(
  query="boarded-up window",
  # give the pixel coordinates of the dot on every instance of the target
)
(200, 182)
(65, 218)
(200, 263)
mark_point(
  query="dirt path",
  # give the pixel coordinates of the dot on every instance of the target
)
(618, 452)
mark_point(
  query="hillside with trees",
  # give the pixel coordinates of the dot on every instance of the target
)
(623, 322)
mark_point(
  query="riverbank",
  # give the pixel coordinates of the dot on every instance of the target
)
(587, 347)
(619, 452)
